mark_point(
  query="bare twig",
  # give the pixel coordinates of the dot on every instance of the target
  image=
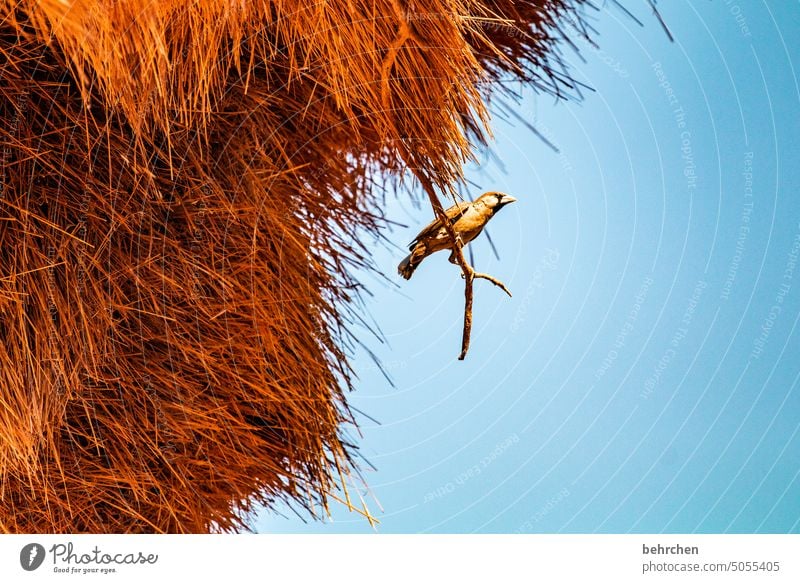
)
(493, 279)
(467, 271)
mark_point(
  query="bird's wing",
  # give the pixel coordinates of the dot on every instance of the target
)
(453, 214)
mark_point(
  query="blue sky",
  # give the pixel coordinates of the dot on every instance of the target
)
(645, 375)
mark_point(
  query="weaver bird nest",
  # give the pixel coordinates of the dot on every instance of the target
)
(186, 191)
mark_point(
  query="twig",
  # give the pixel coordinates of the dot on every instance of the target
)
(493, 279)
(467, 271)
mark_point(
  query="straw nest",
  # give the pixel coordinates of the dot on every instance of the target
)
(187, 191)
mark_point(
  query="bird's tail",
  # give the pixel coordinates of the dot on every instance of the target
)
(411, 262)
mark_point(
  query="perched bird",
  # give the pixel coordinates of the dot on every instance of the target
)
(468, 220)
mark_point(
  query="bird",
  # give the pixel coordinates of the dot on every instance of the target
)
(468, 220)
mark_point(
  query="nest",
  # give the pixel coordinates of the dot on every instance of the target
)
(186, 193)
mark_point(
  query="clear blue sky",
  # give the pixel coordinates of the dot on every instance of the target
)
(645, 376)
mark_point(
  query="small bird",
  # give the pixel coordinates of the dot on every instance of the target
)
(468, 220)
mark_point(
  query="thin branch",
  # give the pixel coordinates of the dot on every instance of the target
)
(467, 272)
(491, 244)
(661, 21)
(468, 295)
(493, 279)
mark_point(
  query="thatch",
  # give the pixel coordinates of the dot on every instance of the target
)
(187, 190)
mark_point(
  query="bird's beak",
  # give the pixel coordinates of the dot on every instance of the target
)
(507, 199)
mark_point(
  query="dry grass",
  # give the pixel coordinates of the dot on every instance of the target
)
(186, 194)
